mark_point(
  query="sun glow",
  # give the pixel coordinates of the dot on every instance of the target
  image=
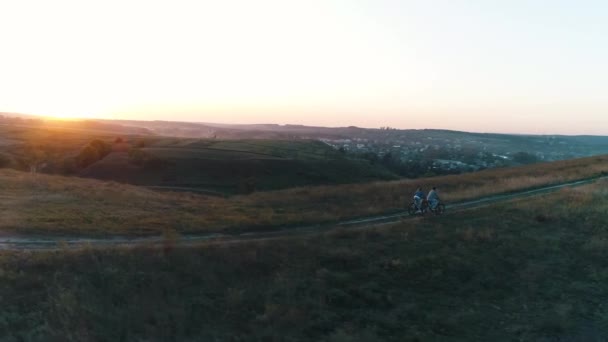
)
(60, 110)
(67, 117)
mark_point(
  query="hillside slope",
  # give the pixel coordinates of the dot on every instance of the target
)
(61, 205)
(239, 166)
(527, 271)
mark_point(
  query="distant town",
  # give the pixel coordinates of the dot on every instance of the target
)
(456, 152)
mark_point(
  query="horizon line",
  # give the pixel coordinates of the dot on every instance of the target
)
(82, 119)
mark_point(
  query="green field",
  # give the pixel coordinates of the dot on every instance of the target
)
(243, 166)
(532, 270)
(212, 148)
(188, 152)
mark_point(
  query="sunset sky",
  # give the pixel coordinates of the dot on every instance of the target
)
(522, 66)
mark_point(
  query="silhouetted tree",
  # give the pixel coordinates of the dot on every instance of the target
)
(87, 156)
(93, 152)
(101, 146)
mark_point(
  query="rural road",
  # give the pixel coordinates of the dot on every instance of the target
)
(49, 243)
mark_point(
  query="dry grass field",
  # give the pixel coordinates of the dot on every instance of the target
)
(524, 271)
(65, 205)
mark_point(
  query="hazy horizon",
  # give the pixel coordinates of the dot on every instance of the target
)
(76, 119)
(478, 66)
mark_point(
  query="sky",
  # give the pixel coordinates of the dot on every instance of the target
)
(516, 66)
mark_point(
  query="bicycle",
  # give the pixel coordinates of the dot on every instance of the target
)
(413, 209)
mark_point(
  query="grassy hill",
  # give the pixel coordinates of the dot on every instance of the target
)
(532, 270)
(69, 205)
(238, 166)
(227, 167)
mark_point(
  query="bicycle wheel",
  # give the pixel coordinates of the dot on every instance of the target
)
(411, 209)
(440, 209)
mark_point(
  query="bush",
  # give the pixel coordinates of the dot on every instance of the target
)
(93, 152)
(102, 147)
(88, 156)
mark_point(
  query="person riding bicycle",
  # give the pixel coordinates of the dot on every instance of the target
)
(418, 197)
(433, 198)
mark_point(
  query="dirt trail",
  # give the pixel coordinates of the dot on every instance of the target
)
(47, 243)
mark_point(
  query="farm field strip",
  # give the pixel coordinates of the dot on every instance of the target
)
(206, 153)
(276, 148)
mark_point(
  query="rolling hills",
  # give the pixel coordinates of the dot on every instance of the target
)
(136, 152)
(208, 165)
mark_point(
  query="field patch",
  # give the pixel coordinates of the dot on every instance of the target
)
(189, 152)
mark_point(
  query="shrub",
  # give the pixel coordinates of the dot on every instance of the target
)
(93, 152)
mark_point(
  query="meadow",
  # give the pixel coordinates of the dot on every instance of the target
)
(66, 205)
(525, 271)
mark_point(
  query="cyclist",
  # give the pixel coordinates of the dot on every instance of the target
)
(433, 198)
(418, 197)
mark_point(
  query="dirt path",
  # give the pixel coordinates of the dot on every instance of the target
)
(186, 189)
(46, 243)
